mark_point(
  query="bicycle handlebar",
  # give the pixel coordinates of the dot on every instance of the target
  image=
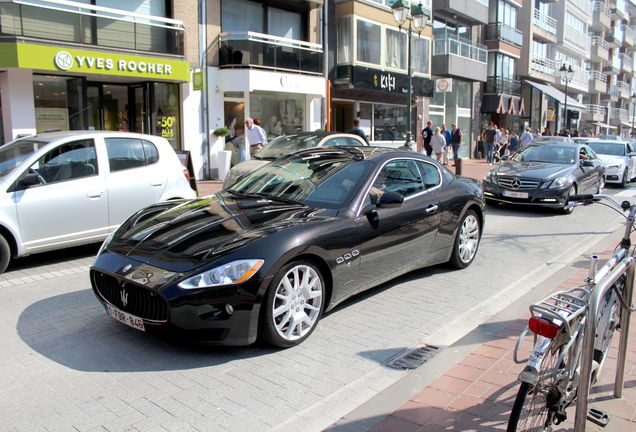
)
(590, 198)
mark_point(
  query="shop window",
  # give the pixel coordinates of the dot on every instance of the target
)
(464, 93)
(165, 117)
(279, 113)
(368, 42)
(58, 103)
(126, 153)
(389, 122)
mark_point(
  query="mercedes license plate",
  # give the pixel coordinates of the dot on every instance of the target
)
(513, 194)
(126, 318)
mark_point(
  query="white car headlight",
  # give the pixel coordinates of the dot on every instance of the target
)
(559, 182)
(614, 165)
(232, 273)
(489, 177)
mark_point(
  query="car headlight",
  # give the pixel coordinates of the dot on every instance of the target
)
(614, 165)
(559, 182)
(232, 273)
(489, 177)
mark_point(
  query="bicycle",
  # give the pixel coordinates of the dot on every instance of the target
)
(565, 359)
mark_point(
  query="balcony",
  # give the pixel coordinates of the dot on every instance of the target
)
(615, 36)
(601, 17)
(628, 36)
(576, 41)
(619, 9)
(624, 90)
(627, 63)
(454, 56)
(600, 49)
(503, 85)
(598, 82)
(580, 80)
(613, 65)
(595, 113)
(544, 66)
(544, 26)
(474, 12)
(257, 50)
(91, 25)
(584, 5)
(618, 116)
(499, 31)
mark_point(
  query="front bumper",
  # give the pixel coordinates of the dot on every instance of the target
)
(225, 315)
(549, 197)
(614, 175)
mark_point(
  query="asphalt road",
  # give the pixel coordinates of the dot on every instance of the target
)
(65, 365)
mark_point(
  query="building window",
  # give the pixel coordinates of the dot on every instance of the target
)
(165, 119)
(58, 103)
(507, 14)
(284, 23)
(241, 16)
(368, 42)
(389, 122)
(344, 40)
(279, 113)
(421, 55)
(395, 49)
(464, 93)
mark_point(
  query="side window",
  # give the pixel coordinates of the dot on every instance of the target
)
(354, 142)
(68, 161)
(125, 153)
(587, 152)
(430, 174)
(151, 153)
(401, 176)
(630, 149)
(338, 141)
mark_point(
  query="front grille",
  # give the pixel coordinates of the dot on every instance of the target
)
(139, 301)
(520, 184)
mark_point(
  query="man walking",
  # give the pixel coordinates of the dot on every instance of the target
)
(427, 134)
(456, 140)
(358, 131)
(526, 138)
(491, 138)
(256, 136)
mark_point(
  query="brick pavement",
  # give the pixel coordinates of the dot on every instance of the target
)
(477, 393)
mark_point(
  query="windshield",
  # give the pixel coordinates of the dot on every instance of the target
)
(287, 144)
(616, 149)
(12, 154)
(324, 180)
(547, 153)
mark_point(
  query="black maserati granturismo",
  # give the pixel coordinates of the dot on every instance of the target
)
(267, 256)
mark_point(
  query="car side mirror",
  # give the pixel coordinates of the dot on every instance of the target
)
(587, 163)
(390, 199)
(632, 154)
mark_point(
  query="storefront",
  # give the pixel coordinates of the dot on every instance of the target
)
(48, 88)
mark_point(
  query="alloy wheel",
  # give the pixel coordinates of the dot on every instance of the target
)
(468, 238)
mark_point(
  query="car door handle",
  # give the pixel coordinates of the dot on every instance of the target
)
(432, 208)
(156, 183)
(96, 194)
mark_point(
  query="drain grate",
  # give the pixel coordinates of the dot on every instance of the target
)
(414, 358)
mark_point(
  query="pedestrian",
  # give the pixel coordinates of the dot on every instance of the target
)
(513, 146)
(526, 137)
(358, 131)
(456, 140)
(427, 134)
(256, 136)
(503, 143)
(447, 137)
(490, 138)
(438, 143)
(547, 132)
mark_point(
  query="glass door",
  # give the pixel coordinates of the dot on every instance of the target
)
(138, 108)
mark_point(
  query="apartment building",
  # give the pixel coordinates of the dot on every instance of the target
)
(103, 65)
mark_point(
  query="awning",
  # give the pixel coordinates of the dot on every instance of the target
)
(558, 95)
(604, 125)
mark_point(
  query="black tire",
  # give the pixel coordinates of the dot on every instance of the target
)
(565, 209)
(5, 254)
(625, 180)
(466, 240)
(287, 301)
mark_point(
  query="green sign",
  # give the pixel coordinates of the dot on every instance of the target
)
(50, 58)
(198, 80)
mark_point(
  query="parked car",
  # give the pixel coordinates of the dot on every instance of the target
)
(267, 256)
(609, 137)
(551, 139)
(618, 156)
(64, 189)
(286, 144)
(582, 140)
(545, 175)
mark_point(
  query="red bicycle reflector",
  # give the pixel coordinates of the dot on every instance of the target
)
(543, 327)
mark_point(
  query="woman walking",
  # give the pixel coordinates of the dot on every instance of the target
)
(514, 143)
(438, 142)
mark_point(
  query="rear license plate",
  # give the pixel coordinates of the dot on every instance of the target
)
(512, 194)
(125, 318)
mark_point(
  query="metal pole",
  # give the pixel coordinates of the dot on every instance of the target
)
(622, 346)
(633, 114)
(565, 112)
(410, 90)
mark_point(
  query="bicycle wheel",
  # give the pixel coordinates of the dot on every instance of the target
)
(607, 323)
(539, 406)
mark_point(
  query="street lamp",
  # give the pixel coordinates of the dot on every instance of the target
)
(417, 21)
(566, 74)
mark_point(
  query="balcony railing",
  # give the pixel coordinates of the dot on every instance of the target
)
(499, 31)
(615, 61)
(503, 85)
(598, 76)
(581, 40)
(628, 34)
(63, 21)
(543, 65)
(584, 5)
(624, 89)
(595, 109)
(627, 63)
(544, 21)
(617, 34)
(244, 49)
(599, 41)
(619, 115)
(601, 6)
(446, 43)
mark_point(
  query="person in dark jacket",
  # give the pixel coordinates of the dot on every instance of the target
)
(358, 131)
(427, 134)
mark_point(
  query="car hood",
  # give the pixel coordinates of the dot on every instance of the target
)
(611, 159)
(186, 235)
(537, 170)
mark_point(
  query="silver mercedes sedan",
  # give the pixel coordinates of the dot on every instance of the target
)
(64, 189)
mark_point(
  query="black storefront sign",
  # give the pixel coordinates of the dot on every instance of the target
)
(389, 82)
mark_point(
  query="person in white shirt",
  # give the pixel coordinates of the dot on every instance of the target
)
(256, 136)
(438, 142)
(526, 138)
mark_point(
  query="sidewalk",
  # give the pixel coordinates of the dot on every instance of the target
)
(472, 386)
(474, 168)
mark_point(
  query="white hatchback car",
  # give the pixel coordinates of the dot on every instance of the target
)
(619, 158)
(64, 189)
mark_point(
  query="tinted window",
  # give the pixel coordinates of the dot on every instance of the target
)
(12, 154)
(68, 161)
(125, 153)
(617, 149)
(430, 174)
(354, 142)
(338, 141)
(401, 176)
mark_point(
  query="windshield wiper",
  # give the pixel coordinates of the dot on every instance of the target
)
(264, 196)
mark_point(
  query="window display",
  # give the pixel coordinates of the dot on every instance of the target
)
(279, 113)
